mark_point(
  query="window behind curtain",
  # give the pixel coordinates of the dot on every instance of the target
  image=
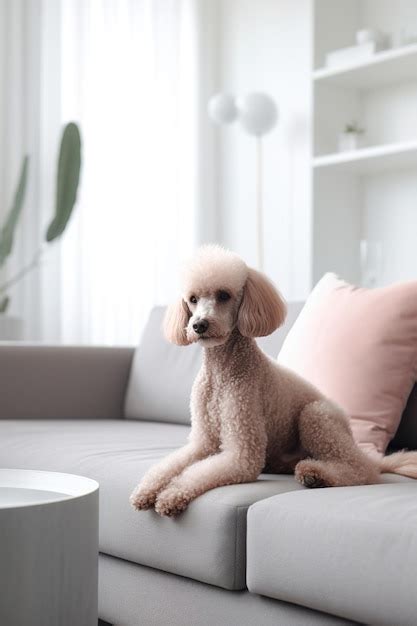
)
(128, 77)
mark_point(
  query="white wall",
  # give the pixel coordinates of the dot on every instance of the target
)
(389, 200)
(266, 46)
(389, 221)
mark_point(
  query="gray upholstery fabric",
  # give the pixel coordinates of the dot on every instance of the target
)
(348, 551)
(139, 596)
(161, 377)
(208, 541)
(42, 382)
(406, 435)
(162, 374)
(273, 343)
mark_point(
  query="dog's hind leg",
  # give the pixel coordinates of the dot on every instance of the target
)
(334, 459)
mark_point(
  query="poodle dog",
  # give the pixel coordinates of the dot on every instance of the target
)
(249, 415)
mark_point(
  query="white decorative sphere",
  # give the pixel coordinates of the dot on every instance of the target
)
(258, 113)
(222, 108)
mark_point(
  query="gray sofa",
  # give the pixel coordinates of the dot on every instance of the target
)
(268, 552)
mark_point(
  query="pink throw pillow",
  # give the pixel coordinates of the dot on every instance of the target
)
(359, 347)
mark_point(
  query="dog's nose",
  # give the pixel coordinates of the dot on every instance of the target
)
(201, 326)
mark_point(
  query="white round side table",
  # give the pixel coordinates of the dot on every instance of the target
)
(48, 549)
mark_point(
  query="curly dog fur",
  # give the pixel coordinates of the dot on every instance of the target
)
(248, 413)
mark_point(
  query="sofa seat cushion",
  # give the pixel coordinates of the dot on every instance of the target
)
(348, 551)
(207, 542)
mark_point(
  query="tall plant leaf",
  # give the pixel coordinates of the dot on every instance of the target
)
(4, 303)
(68, 177)
(12, 219)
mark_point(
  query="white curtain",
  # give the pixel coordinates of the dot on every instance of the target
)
(129, 78)
(136, 75)
(28, 51)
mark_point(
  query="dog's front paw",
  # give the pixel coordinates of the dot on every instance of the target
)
(142, 499)
(171, 502)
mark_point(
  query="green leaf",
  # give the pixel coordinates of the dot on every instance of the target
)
(68, 177)
(4, 303)
(12, 219)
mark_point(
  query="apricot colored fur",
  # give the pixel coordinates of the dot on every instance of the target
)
(248, 413)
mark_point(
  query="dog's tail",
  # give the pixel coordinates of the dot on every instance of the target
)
(404, 463)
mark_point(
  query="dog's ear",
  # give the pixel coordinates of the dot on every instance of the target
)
(175, 323)
(262, 309)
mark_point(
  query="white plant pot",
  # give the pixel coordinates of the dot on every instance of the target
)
(349, 141)
(11, 328)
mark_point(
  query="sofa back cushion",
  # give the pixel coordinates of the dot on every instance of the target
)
(162, 374)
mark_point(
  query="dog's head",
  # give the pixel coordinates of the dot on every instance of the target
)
(222, 293)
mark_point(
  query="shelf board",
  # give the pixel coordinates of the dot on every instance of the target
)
(384, 68)
(370, 160)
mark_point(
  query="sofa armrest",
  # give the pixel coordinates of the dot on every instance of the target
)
(51, 382)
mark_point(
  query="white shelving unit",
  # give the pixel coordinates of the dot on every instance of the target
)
(371, 160)
(385, 68)
(370, 194)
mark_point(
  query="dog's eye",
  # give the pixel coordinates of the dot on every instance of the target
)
(193, 300)
(223, 296)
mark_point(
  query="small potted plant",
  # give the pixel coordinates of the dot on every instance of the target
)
(67, 179)
(350, 138)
